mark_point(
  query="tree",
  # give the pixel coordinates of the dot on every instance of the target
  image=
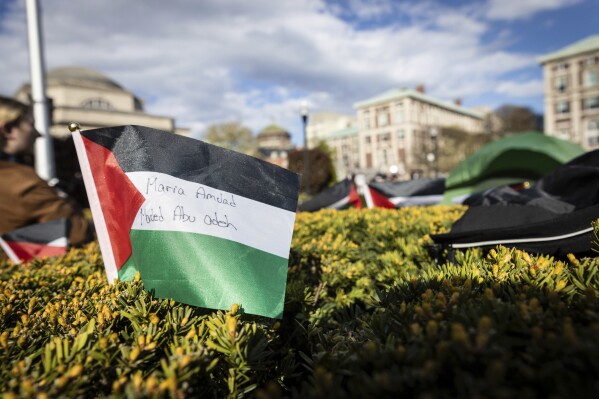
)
(232, 135)
(322, 145)
(320, 173)
(515, 119)
(449, 148)
(455, 145)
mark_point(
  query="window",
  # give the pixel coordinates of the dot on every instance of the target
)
(563, 107)
(346, 160)
(563, 134)
(590, 78)
(366, 120)
(561, 83)
(592, 60)
(591, 103)
(382, 116)
(367, 139)
(593, 132)
(562, 67)
(399, 113)
(382, 119)
(97, 103)
(401, 135)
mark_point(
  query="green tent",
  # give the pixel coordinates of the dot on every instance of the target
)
(513, 159)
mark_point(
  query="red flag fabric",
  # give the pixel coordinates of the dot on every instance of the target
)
(379, 200)
(340, 196)
(36, 241)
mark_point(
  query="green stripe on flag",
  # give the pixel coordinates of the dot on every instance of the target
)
(128, 270)
(207, 271)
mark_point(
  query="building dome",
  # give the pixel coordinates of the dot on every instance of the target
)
(272, 131)
(79, 76)
(274, 137)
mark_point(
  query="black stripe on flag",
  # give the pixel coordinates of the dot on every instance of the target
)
(327, 197)
(41, 233)
(410, 188)
(139, 148)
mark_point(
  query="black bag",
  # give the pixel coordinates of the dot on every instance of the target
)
(553, 217)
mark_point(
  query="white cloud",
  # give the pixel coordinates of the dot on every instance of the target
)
(368, 9)
(461, 23)
(522, 9)
(212, 61)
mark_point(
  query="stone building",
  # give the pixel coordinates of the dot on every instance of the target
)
(274, 144)
(398, 129)
(321, 124)
(344, 145)
(571, 88)
(93, 100)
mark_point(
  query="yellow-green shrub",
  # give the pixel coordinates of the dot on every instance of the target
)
(368, 314)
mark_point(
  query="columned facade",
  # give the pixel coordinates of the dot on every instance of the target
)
(94, 100)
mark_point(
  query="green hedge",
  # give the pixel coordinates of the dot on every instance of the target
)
(368, 314)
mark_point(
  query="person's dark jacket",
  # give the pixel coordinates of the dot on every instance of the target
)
(27, 199)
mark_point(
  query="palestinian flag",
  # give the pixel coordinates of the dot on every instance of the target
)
(203, 225)
(375, 199)
(407, 193)
(36, 241)
(340, 196)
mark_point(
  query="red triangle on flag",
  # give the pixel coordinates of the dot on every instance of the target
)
(119, 199)
(379, 200)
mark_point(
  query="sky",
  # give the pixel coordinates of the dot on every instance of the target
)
(255, 62)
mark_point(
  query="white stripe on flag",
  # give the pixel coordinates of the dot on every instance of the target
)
(417, 200)
(96, 208)
(173, 204)
(341, 203)
(8, 250)
(59, 242)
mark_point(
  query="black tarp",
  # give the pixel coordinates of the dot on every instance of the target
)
(552, 217)
(339, 196)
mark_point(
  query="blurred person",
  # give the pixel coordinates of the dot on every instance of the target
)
(25, 198)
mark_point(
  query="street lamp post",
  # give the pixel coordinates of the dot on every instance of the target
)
(44, 149)
(304, 114)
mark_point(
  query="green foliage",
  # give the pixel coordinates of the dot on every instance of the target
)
(368, 314)
(455, 145)
(322, 145)
(515, 119)
(232, 135)
(321, 172)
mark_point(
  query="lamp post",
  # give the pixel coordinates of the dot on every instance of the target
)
(44, 149)
(304, 114)
(434, 157)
